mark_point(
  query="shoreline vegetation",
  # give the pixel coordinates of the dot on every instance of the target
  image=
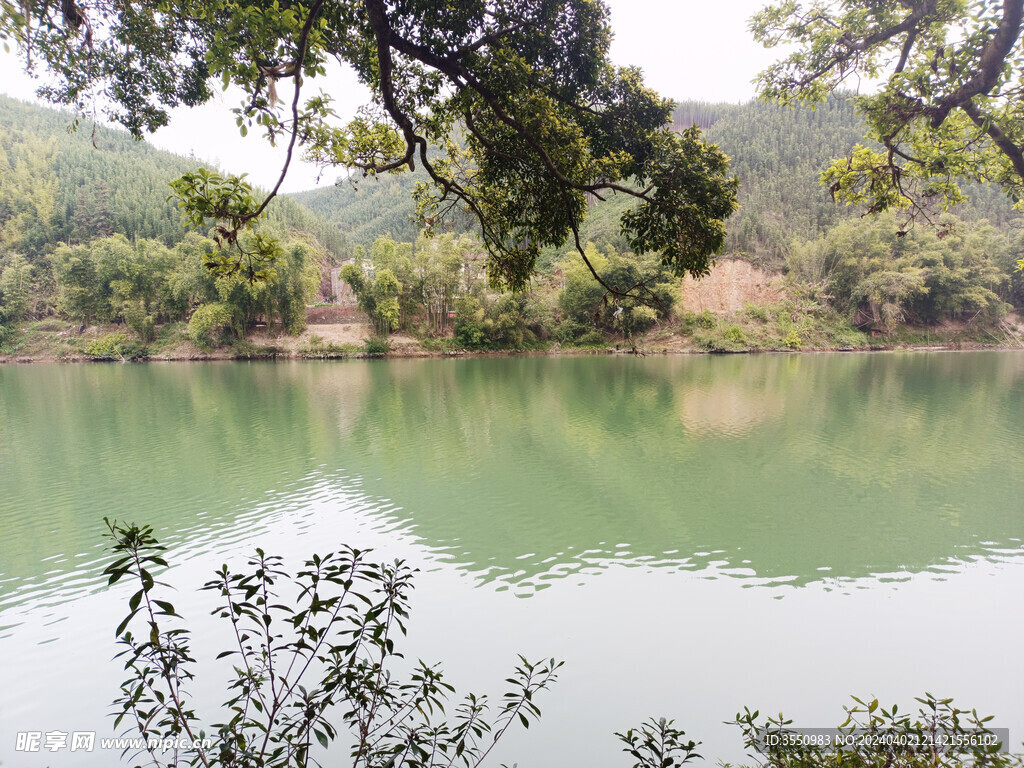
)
(120, 301)
(860, 287)
(56, 341)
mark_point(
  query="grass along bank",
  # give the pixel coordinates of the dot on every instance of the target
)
(788, 325)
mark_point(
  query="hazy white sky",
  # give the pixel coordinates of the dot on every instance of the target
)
(688, 49)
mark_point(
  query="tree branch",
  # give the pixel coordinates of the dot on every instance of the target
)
(908, 45)
(990, 65)
(459, 73)
(908, 24)
(1013, 151)
(491, 37)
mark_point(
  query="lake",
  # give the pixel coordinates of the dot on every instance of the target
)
(689, 534)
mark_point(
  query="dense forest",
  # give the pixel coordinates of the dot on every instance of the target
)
(77, 245)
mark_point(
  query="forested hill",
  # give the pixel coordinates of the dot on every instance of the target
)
(61, 186)
(67, 186)
(777, 152)
(368, 208)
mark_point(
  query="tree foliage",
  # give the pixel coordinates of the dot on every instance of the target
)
(863, 265)
(315, 661)
(658, 744)
(377, 294)
(208, 322)
(544, 118)
(443, 267)
(948, 106)
(28, 192)
(144, 283)
(15, 285)
(402, 285)
(509, 322)
(590, 309)
(938, 735)
(777, 153)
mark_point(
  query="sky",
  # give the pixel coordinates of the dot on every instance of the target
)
(688, 49)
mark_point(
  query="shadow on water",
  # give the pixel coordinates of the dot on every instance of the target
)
(776, 469)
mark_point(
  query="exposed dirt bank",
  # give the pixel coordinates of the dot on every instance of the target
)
(732, 285)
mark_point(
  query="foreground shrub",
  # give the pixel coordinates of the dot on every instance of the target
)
(731, 339)
(511, 322)
(705, 320)
(756, 312)
(49, 325)
(735, 335)
(376, 346)
(568, 331)
(312, 656)
(472, 330)
(648, 293)
(592, 340)
(7, 330)
(318, 349)
(938, 735)
(139, 321)
(243, 349)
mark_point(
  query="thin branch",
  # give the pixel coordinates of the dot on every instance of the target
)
(491, 37)
(172, 681)
(300, 57)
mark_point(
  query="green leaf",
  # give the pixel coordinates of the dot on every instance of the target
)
(166, 607)
(123, 625)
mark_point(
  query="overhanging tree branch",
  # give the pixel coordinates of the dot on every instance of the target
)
(1008, 147)
(990, 64)
(552, 119)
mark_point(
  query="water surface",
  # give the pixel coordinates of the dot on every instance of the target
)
(690, 534)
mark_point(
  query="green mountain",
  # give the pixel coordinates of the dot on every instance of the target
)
(777, 152)
(365, 209)
(59, 185)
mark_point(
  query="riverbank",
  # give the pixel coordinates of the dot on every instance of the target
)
(54, 340)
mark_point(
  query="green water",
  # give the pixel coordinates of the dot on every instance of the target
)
(677, 529)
